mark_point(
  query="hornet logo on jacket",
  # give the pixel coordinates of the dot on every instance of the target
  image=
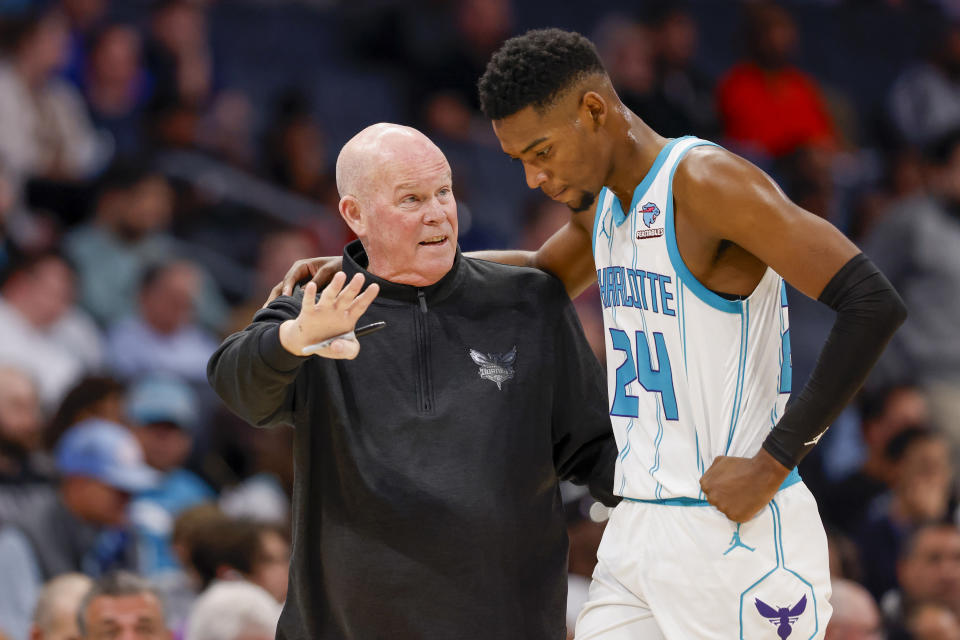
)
(496, 367)
(782, 617)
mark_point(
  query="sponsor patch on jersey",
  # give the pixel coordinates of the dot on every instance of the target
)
(495, 367)
(643, 234)
(649, 213)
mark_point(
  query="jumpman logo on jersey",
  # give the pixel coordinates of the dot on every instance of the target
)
(735, 542)
(604, 231)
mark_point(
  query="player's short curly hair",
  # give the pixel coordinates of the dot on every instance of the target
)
(534, 70)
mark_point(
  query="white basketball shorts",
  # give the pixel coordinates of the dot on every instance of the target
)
(687, 572)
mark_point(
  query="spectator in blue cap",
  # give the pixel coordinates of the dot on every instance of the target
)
(164, 412)
(78, 526)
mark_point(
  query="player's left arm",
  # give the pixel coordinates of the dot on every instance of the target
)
(733, 200)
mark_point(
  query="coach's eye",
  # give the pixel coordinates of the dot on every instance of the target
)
(409, 200)
(543, 153)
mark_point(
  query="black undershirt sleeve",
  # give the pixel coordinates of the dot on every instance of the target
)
(869, 311)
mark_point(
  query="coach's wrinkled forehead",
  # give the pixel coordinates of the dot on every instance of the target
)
(368, 159)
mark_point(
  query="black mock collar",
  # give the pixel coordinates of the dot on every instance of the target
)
(355, 261)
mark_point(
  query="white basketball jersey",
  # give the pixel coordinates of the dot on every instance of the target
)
(691, 375)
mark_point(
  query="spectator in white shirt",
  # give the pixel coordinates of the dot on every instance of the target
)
(162, 337)
(41, 330)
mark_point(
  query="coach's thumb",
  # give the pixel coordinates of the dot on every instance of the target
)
(343, 349)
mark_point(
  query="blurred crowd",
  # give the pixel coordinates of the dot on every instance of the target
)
(163, 162)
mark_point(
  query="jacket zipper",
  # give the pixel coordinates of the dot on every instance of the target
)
(425, 400)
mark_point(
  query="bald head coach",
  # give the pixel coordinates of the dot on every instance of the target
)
(428, 454)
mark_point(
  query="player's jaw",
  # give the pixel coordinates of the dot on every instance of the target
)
(583, 202)
(576, 200)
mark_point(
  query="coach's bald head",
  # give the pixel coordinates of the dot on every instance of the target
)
(396, 193)
(369, 150)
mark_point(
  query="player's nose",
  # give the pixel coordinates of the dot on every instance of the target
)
(535, 176)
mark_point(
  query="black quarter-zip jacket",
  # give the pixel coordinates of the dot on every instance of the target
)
(426, 500)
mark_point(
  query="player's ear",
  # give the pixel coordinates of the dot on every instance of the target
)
(593, 109)
(351, 214)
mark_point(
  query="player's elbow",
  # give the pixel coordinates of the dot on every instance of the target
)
(894, 310)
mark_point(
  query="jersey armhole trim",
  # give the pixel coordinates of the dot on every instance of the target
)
(689, 280)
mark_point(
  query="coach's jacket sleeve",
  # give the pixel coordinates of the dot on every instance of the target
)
(251, 371)
(584, 449)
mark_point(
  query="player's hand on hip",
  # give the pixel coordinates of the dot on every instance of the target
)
(336, 312)
(317, 270)
(740, 487)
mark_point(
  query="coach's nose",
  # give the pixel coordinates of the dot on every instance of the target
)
(434, 212)
(535, 176)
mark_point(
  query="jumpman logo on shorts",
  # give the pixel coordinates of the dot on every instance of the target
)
(735, 542)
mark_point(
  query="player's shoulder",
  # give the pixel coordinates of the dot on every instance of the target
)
(702, 161)
(709, 171)
(532, 282)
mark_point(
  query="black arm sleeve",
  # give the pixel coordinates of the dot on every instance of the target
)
(584, 449)
(252, 372)
(868, 313)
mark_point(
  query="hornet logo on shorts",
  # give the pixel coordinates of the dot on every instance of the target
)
(650, 213)
(783, 617)
(496, 367)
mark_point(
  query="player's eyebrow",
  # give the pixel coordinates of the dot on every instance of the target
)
(533, 144)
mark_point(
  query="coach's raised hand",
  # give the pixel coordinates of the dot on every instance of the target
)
(740, 487)
(334, 313)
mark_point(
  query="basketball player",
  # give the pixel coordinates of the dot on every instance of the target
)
(716, 537)
(689, 245)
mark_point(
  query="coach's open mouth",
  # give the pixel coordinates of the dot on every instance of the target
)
(434, 241)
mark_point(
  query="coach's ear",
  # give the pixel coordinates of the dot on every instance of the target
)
(351, 214)
(593, 108)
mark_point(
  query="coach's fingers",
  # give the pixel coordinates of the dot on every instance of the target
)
(349, 292)
(329, 295)
(360, 304)
(309, 296)
(344, 349)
